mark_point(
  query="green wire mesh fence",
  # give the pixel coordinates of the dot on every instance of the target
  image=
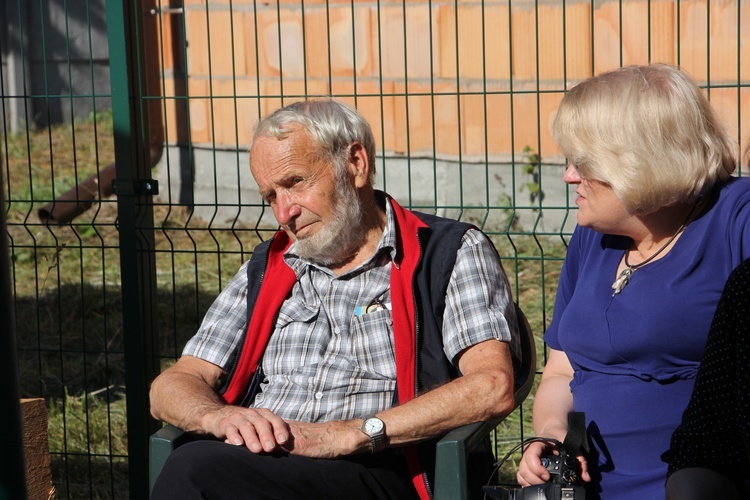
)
(128, 195)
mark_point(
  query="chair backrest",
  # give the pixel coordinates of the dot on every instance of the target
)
(524, 376)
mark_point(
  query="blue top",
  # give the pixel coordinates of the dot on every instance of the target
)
(635, 355)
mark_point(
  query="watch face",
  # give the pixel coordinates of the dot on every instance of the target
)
(373, 425)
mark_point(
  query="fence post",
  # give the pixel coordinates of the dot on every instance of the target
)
(12, 470)
(134, 191)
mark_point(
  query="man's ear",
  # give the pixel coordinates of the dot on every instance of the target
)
(359, 164)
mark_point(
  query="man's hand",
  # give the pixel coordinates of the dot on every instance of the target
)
(259, 430)
(327, 439)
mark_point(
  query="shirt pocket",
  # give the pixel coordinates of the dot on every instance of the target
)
(296, 341)
(372, 343)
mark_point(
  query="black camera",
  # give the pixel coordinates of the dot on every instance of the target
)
(564, 483)
(564, 469)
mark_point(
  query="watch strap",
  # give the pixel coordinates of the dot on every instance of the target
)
(378, 439)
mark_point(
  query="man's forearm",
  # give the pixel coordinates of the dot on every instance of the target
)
(182, 400)
(471, 398)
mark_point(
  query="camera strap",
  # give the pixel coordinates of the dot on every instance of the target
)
(576, 439)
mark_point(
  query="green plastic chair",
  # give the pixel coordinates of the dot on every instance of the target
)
(451, 474)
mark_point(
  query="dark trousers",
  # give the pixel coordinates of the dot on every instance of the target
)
(215, 470)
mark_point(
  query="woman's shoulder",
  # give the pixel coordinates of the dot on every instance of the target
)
(735, 188)
(732, 200)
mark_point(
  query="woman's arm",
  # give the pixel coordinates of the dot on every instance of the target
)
(552, 403)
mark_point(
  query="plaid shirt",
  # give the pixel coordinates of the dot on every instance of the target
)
(331, 355)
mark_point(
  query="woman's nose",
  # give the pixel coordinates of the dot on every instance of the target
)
(571, 175)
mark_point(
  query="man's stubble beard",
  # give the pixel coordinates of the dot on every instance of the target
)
(339, 239)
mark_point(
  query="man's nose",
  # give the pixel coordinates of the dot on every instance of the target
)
(571, 175)
(286, 209)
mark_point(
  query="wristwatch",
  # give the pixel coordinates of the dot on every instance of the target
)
(375, 428)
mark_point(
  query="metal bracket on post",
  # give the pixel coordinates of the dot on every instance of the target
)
(148, 187)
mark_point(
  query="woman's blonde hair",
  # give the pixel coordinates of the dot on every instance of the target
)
(649, 132)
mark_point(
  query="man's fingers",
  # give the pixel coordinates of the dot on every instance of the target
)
(259, 430)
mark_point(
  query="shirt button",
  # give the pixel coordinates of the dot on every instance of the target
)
(318, 395)
(337, 330)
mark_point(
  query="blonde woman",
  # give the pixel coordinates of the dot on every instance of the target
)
(661, 224)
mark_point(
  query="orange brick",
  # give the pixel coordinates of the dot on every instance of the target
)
(446, 121)
(197, 43)
(663, 32)
(274, 95)
(607, 42)
(693, 40)
(226, 36)
(316, 43)
(634, 39)
(336, 24)
(523, 28)
(497, 42)
(471, 61)
(726, 102)
(744, 57)
(525, 121)
(231, 123)
(446, 51)
(495, 46)
(743, 134)
(420, 49)
(421, 119)
(499, 132)
(280, 44)
(724, 38)
(350, 41)
(200, 131)
(474, 126)
(168, 110)
(551, 46)
(548, 104)
(578, 40)
(390, 30)
(378, 109)
(249, 41)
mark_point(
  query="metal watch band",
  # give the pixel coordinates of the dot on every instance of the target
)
(378, 442)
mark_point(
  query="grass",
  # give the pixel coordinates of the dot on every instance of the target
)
(68, 308)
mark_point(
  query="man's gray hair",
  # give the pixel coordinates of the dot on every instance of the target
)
(332, 125)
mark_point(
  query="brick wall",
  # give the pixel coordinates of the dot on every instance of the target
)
(423, 71)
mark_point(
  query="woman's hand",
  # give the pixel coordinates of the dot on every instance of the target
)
(552, 403)
(532, 471)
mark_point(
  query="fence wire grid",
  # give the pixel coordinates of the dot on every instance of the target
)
(129, 201)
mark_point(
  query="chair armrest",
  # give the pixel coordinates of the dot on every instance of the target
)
(451, 471)
(161, 444)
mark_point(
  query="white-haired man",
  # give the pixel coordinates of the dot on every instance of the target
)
(347, 343)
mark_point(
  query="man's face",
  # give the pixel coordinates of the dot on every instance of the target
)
(322, 214)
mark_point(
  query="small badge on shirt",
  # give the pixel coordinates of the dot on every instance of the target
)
(375, 306)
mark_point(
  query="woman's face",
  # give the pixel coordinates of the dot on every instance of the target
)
(598, 207)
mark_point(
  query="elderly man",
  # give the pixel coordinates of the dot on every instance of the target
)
(347, 343)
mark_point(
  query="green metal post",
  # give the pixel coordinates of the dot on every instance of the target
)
(136, 222)
(12, 469)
